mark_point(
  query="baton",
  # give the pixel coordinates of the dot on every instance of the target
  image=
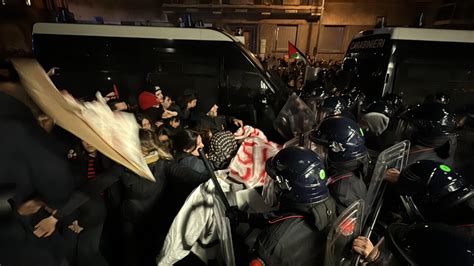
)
(368, 232)
(218, 187)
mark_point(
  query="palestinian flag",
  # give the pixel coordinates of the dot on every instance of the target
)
(294, 53)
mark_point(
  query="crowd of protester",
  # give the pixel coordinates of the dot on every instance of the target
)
(292, 71)
(75, 206)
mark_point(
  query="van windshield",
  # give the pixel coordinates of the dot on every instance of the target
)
(276, 81)
(427, 68)
(371, 54)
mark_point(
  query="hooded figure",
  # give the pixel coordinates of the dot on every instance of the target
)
(27, 159)
(213, 121)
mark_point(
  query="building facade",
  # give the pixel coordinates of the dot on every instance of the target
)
(317, 27)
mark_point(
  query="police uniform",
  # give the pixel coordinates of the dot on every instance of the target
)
(290, 240)
(296, 236)
(347, 158)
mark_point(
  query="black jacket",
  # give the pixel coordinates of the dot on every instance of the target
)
(217, 123)
(291, 240)
(190, 161)
(347, 189)
(139, 194)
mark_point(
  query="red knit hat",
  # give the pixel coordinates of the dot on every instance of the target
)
(147, 100)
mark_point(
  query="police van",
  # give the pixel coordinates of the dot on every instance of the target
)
(416, 62)
(213, 63)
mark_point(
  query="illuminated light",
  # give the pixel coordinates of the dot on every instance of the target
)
(109, 78)
(361, 132)
(217, 12)
(289, 11)
(322, 174)
(445, 168)
(241, 10)
(347, 227)
(256, 262)
(28, 2)
(266, 13)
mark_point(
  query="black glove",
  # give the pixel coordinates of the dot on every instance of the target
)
(236, 216)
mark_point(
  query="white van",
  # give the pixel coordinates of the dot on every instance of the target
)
(211, 62)
(416, 62)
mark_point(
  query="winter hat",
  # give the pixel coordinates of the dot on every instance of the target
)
(205, 105)
(376, 122)
(222, 148)
(147, 100)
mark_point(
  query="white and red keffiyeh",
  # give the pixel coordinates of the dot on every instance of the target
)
(248, 165)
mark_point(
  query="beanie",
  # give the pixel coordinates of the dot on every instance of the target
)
(147, 100)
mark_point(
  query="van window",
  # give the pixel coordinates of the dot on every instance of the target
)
(178, 67)
(88, 64)
(371, 54)
(426, 68)
(244, 81)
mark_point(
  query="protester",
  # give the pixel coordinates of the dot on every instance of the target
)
(187, 144)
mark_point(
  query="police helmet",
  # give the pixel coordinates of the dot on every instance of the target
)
(432, 120)
(428, 244)
(380, 107)
(353, 97)
(334, 105)
(431, 190)
(299, 175)
(395, 101)
(441, 98)
(342, 137)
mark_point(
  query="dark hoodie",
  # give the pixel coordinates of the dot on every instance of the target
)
(37, 170)
(28, 159)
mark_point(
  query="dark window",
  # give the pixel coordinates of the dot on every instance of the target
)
(371, 54)
(332, 39)
(285, 34)
(425, 68)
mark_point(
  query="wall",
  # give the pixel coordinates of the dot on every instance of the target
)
(362, 15)
(117, 10)
(267, 31)
(16, 22)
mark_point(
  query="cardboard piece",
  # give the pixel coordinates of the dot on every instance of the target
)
(114, 134)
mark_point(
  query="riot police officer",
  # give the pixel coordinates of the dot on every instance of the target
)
(396, 102)
(420, 244)
(433, 191)
(334, 105)
(340, 142)
(433, 134)
(295, 235)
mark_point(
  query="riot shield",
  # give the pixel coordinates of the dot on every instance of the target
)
(345, 229)
(395, 157)
(294, 118)
(301, 140)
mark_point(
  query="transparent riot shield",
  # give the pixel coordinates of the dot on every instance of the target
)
(301, 140)
(294, 119)
(395, 157)
(345, 229)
